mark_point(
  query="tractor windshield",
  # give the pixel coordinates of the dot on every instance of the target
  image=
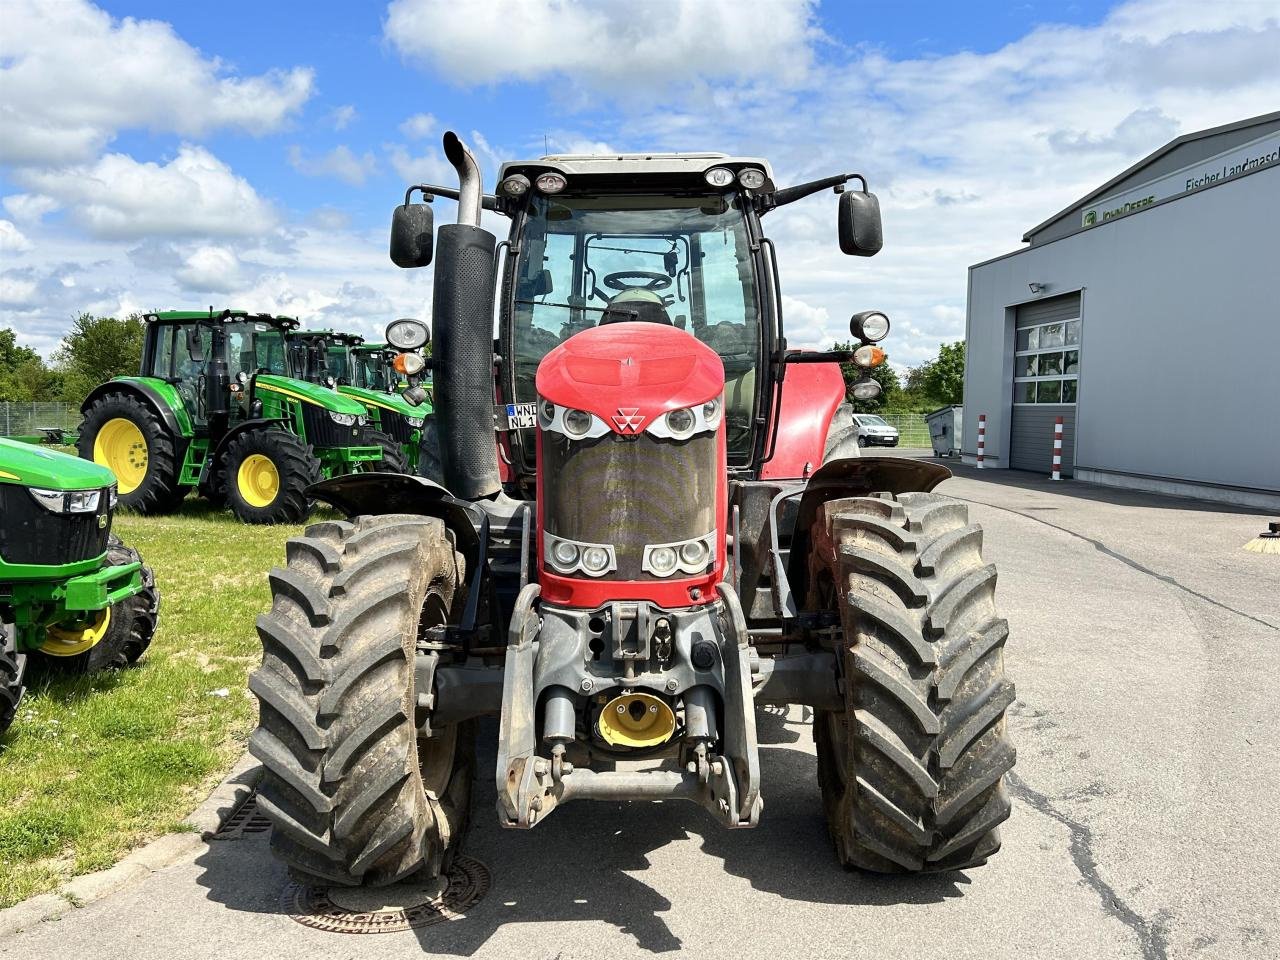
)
(682, 261)
(255, 347)
(370, 370)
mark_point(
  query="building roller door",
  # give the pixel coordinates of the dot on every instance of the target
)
(1046, 371)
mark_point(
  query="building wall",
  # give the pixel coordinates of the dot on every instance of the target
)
(1180, 339)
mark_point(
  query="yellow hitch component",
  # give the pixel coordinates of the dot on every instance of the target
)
(121, 447)
(637, 720)
(67, 640)
(258, 480)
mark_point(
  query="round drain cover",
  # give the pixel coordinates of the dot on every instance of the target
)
(402, 906)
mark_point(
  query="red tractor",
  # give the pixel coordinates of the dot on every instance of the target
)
(662, 523)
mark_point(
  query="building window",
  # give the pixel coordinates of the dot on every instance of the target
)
(1046, 363)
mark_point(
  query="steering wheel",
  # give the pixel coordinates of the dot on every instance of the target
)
(618, 281)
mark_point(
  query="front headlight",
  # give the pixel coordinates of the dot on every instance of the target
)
(113, 496)
(568, 556)
(343, 419)
(63, 501)
(686, 556)
(415, 422)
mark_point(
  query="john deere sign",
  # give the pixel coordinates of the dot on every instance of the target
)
(1247, 158)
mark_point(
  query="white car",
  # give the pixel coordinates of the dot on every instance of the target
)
(873, 431)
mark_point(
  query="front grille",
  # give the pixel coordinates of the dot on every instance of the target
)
(629, 492)
(323, 432)
(396, 426)
(30, 534)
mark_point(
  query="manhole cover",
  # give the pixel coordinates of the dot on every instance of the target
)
(403, 906)
(245, 821)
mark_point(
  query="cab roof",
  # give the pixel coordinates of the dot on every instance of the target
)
(218, 316)
(635, 166)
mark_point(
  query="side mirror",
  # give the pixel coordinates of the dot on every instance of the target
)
(412, 235)
(195, 350)
(861, 234)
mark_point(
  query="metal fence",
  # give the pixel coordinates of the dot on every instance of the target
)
(912, 430)
(27, 419)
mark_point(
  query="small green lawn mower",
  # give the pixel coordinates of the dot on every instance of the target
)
(70, 592)
(366, 372)
(218, 407)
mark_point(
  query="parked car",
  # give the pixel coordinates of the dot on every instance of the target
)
(874, 431)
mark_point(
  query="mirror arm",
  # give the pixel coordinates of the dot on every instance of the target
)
(430, 192)
(818, 356)
(801, 190)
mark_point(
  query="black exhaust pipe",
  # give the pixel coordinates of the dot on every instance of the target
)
(462, 339)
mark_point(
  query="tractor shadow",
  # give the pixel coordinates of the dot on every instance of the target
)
(589, 861)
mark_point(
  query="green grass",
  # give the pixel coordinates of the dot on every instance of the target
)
(94, 766)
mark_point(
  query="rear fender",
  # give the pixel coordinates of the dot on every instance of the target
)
(857, 477)
(151, 395)
(367, 494)
(810, 395)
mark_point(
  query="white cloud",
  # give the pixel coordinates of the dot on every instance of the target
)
(12, 239)
(428, 167)
(342, 117)
(74, 76)
(195, 194)
(16, 292)
(340, 163)
(419, 126)
(615, 48)
(29, 207)
(211, 269)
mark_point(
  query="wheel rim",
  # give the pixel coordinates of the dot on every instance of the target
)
(258, 480)
(121, 447)
(435, 754)
(67, 640)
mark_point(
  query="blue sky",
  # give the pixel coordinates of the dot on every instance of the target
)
(159, 155)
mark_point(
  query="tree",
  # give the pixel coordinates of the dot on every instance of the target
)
(23, 375)
(943, 377)
(883, 375)
(97, 349)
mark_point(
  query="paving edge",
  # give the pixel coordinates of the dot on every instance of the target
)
(139, 864)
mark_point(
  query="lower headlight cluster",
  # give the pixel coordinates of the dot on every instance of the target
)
(684, 556)
(569, 556)
(73, 501)
(348, 419)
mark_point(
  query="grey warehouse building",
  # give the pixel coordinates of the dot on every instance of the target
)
(1147, 316)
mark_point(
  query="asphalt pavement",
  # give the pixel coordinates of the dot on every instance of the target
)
(1143, 643)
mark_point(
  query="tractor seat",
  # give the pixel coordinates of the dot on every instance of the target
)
(635, 304)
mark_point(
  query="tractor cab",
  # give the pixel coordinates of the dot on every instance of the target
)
(323, 356)
(373, 368)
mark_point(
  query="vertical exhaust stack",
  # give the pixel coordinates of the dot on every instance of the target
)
(462, 343)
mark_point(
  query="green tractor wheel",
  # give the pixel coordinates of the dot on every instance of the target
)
(393, 456)
(114, 638)
(122, 433)
(12, 666)
(265, 474)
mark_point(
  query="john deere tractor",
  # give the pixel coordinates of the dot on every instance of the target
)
(341, 361)
(217, 408)
(659, 527)
(70, 592)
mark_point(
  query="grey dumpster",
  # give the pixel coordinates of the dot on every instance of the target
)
(946, 427)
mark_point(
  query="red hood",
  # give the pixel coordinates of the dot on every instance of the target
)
(622, 371)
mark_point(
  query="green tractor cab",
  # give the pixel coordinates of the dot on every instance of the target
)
(218, 407)
(70, 592)
(366, 372)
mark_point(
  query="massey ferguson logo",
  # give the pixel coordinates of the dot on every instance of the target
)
(628, 420)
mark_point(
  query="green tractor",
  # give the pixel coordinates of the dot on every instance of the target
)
(70, 592)
(217, 407)
(367, 373)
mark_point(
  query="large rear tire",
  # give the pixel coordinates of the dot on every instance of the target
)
(265, 473)
(353, 793)
(130, 624)
(912, 770)
(125, 435)
(13, 666)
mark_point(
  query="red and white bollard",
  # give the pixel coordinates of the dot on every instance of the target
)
(1057, 449)
(982, 437)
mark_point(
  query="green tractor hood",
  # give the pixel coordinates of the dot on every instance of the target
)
(32, 466)
(387, 401)
(311, 393)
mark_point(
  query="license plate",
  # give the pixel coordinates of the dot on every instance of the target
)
(522, 416)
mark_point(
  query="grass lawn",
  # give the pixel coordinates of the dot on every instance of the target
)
(94, 766)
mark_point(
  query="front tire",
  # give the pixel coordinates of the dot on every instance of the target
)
(13, 666)
(912, 770)
(130, 625)
(265, 474)
(353, 793)
(393, 457)
(125, 435)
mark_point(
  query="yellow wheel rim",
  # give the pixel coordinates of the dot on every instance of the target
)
(68, 639)
(121, 447)
(258, 480)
